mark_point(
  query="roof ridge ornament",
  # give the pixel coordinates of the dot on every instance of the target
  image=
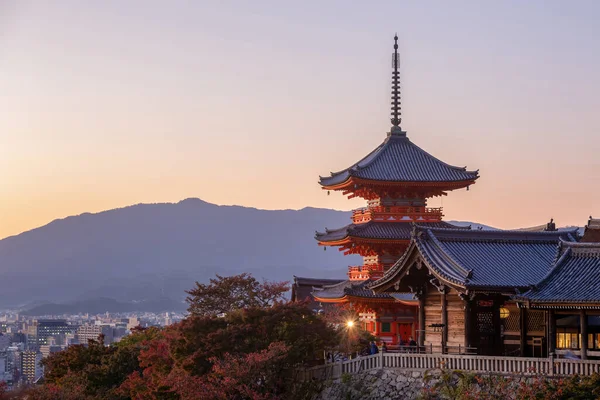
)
(396, 119)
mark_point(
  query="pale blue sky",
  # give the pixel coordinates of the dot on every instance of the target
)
(109, 103)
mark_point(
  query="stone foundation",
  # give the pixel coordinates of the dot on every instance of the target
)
(391, 384)
(376, 385)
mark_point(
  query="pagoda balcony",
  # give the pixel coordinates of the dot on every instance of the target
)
(397, 213)
(362, 272)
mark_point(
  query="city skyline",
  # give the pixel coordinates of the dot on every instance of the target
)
(108, 105)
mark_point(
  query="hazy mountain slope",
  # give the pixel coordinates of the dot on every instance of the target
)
(151, 250)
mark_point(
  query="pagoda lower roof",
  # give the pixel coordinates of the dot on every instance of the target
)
(479, 259)
(378, 230)
(357, 289)
(397, 159)
(574, 279)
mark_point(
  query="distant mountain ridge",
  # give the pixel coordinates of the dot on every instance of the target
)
(146, 252)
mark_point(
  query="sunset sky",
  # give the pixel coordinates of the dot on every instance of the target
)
(104, 104)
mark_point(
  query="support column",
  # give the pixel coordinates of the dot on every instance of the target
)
(444, 319)
(468, 323)
(422, 318)
(523, 331)
(551, 332)
(584, 334)
(498, 349)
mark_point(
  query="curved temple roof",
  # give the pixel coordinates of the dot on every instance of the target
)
(397, 159)
(377, 230)
(480, 259)
(349, 288)
(574, 277)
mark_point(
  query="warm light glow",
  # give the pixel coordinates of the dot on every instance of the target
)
(350, 324)
(504, 312)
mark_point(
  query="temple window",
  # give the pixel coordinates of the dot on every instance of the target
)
(567, 340)
(386, 327)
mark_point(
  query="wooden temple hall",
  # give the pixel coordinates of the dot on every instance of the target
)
(454, 289)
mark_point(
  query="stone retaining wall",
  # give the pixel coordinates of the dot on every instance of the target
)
(388, 384)
(375, 385)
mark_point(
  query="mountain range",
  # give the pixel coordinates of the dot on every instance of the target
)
(146, 251)
(145, 256)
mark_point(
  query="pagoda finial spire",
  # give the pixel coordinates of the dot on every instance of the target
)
(396, 105)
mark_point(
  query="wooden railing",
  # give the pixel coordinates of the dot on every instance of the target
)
(482, 364)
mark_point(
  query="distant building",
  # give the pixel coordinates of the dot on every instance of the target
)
(93, 332)
(132, 323)
(47, 328)
(48, 349)
(4, 342)
(31, 369)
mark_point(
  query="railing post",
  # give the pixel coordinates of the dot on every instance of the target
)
(381, 360)
(551, 366)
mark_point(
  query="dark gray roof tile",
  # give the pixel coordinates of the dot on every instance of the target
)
(397, 159)
(485, 259)
(574, 277)
(379, 230)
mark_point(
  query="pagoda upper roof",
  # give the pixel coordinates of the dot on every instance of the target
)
(378, 230)
(573, 279)
(480, 259)
(397, 159)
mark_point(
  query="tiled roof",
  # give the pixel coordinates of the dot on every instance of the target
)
(378, 230)
(301, 281)
(592, 231)
(349, 288)
(303, 287)
(397, 159)
(404, 297)
(574, 278)
(479, 259)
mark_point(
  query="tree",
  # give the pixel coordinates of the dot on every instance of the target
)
(250, 353)
(94, 371)
(227, 293)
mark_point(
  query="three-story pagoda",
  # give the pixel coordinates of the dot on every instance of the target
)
(396, 179)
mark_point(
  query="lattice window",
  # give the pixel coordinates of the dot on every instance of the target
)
(485, 322)
(512, 322)
(535, 321)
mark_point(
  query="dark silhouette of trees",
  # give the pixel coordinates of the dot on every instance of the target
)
(227, 293)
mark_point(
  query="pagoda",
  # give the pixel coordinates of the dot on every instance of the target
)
(396, 179)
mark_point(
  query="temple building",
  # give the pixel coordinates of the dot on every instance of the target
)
(527, 292)
(396, 179)
(500, 292)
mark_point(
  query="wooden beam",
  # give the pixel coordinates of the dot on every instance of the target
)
(584, 334)
(444, 319)
(523, 331)
(551, 332)
(421, 297)
(468, 322)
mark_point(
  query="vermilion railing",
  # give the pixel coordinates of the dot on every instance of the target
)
(397, 213)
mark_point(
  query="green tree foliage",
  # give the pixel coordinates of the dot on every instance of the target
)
(227, 293)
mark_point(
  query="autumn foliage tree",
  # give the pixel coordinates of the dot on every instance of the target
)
(227, 293)
(252, 351)
(248, 354)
